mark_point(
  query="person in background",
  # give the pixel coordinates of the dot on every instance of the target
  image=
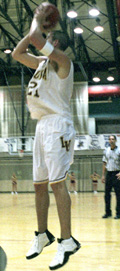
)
(14, 184)
(111, 168)
(95, 177)
(48, 98)
(72, 186)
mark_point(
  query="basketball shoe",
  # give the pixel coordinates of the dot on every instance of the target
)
(66, 248)
(40, 241)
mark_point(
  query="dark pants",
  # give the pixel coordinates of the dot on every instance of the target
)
(112, 182)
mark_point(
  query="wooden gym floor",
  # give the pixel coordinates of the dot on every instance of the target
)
(100, 238)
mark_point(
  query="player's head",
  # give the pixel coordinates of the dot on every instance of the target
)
(112, 137)
(112, 141)
(60, 38)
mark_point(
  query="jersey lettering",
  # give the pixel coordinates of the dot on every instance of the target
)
(29, 93)
(41, 74)
(36, 93)
(65, 143)
(33, 84)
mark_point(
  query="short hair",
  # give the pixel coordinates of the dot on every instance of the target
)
(113, 136)
(62, 38)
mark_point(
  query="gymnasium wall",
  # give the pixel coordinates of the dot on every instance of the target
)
(85, 163)
(12, 111)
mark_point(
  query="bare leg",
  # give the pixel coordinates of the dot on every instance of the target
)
(63, 202)
(94, 187)
(15, 187)
(42, 205)
(12, 188)
(74, 187)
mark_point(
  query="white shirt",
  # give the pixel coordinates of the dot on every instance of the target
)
(48, 94)
(112, 158)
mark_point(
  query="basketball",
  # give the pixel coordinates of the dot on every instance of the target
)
(53, 14)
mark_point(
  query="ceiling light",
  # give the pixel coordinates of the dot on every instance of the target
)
(78, 30)
(98, 28)
(7, 51)
(72, 14)
(96, 79)
(110, 78)
(94, 12)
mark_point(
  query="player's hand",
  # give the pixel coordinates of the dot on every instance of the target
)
(41, 14)
(118, 176)
(103, 179)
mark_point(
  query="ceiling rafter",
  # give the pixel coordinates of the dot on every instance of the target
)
(94, 33)
(14, 43)
(87, 50)
(63, 24)
(28, 9)
(90, 5)
(5, 4)
(7, 17)
(7, 35)
(113, 29)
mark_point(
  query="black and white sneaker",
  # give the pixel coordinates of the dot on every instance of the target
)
(66, 248)
(40, 241)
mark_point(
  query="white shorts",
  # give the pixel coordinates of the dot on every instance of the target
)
(53, 149)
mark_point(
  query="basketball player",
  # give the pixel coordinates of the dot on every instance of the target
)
(72, 182)
(49, 93)
(14, 184)
(110, 176)
(95, 177)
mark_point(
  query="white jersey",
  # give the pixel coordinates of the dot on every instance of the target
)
(112, 159)
(48, 94)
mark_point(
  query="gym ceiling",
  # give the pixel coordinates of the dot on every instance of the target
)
(95, 54)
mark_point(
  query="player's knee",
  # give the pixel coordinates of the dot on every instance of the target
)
(59, 187)
(40, 188)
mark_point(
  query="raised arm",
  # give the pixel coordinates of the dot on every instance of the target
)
(21, 54)
(37, 39)
(35, 36)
